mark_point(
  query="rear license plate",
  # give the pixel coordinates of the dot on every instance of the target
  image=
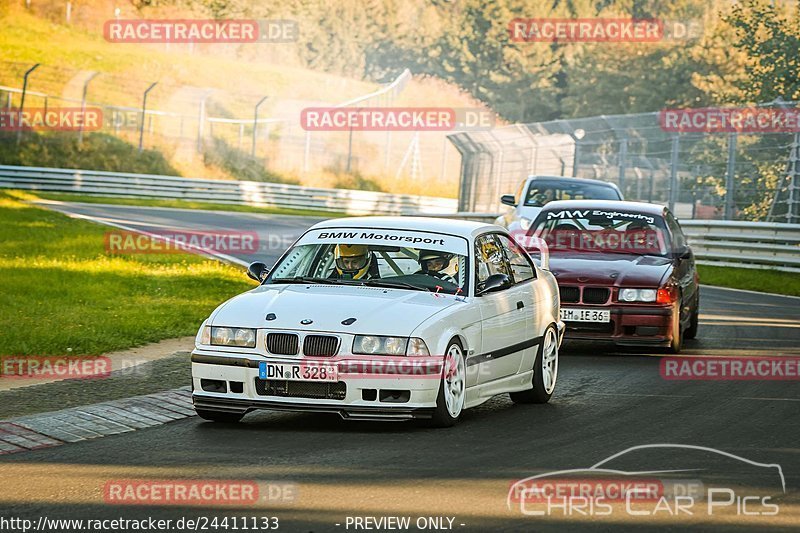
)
(297, 372)
(585, 315)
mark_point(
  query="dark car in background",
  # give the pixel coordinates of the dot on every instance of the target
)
(625, 271)
(537, 191)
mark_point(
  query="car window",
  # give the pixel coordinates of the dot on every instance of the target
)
(678, 238)
(489, 258)
(351, 263)
(522, 267)
(601, 231)
(541, 193)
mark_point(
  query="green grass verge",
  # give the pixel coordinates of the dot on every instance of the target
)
(773, 281)
(179, 204)
(62, 294)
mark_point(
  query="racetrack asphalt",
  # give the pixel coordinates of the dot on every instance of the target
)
(606, 401)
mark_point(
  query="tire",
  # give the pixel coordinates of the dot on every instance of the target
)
(452, 388)
(219, 416)
(545, 371)
(691, 331)
(677, 333)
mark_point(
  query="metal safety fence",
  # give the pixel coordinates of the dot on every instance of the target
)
(744, 244)
(700, 175)
(259, 194)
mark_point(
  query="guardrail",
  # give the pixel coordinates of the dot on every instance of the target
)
(720, 242)
(259, 194)
(745, 244)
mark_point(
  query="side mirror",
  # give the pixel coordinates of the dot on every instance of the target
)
(495, 282)
(257, 271)
(508, 199)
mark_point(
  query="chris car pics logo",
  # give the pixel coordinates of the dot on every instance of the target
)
(702, 481)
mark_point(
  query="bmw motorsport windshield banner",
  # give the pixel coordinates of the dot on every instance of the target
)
(384, 237)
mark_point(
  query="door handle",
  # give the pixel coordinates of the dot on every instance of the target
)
(520, 305)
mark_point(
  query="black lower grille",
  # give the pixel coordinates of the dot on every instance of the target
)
(301, 389)
(591, 327)
(320, 345)
(283, 343)
(568, 294)
(595, 295)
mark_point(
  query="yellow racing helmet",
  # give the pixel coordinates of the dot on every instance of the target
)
(352, 260)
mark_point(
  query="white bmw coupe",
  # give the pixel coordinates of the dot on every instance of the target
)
(384, 318)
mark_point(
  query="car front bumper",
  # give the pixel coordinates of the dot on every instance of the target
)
(629, 326)
(231, 383)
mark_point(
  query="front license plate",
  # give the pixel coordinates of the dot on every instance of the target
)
(297, 372)
(585, 315)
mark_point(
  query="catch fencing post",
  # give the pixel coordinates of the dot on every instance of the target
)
(255, 126)
(144, 111)
(201, 120)
(673, 172)
(22, 100)
(83, 105)
(577, 135)
(623, 156)
(730, 184)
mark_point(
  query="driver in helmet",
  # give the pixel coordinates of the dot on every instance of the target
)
(354, 261)
(434, 263)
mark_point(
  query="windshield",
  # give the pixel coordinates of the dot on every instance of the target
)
(542, 192)
(601, 231)
(430, 262)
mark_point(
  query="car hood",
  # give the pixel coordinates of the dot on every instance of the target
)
(377, 310)
(529, 212)
(618, 270)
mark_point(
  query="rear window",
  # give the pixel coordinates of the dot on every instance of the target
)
(602, 231)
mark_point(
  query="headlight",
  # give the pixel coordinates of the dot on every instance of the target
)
(637, 295)
(374, 345)
(525, 223)
(239, 337)
(417, 346)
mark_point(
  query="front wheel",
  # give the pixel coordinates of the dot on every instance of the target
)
(219, 416)
(545, 371)
(452, 387)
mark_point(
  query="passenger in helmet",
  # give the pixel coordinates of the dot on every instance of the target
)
(434, 263)
(354, 261)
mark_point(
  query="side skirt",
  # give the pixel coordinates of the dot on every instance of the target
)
(486, 391)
